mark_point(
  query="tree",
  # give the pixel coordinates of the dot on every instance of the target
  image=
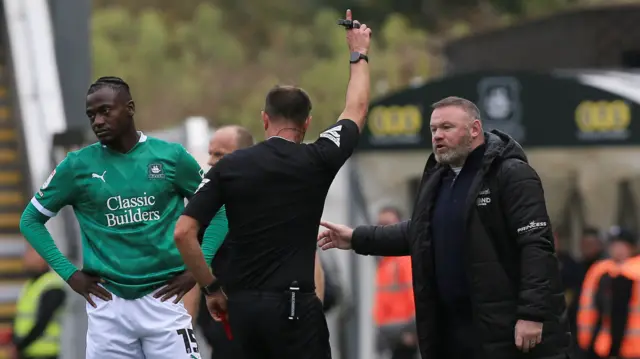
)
(198, 66)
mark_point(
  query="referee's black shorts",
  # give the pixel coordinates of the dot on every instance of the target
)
(259, 321)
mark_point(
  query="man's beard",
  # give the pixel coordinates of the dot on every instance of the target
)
(457, 155)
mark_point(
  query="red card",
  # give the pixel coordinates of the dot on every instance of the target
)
(227, 328)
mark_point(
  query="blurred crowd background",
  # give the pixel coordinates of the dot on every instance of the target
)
(560, 76)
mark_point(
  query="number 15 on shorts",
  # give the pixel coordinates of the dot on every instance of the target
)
(189, 338)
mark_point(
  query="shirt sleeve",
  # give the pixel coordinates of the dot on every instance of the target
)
(57, 191)
(33, 229)
(336, 144)
(207, 200)
(188, 175)
(215, 234)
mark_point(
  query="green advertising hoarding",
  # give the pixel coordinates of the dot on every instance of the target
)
(558, 109)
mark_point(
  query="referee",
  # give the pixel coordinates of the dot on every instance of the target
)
(274, 193)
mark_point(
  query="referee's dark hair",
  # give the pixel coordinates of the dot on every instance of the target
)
(115, 83)
(288, 103)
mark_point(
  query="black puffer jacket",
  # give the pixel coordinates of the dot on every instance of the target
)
(512, 269)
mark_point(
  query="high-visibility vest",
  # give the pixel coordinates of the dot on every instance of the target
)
(394, 293)
(588, 314)
(27, 309)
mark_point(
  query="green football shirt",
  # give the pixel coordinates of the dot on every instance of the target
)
(127, 206)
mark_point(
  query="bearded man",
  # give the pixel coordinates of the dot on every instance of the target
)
(485, 276)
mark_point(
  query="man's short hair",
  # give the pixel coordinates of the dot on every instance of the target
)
(288, 103)
(115, 83)
(391, 209)
(245, 139)
(469, 107)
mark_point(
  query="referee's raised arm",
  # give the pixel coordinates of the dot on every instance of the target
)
(358, 90)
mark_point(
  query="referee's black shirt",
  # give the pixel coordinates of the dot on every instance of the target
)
(274, 193)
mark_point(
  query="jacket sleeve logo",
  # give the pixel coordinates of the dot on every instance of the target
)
(531, 226)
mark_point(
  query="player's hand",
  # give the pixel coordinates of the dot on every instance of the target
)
(217, 305)
(358, 39)
(337, 236)
(177, 286)
(86, 285)
(528, 334)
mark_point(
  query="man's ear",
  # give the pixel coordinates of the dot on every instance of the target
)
(476, 128)
(265, 120)
(131, 108)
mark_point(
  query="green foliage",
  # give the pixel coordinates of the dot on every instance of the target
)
(201, 66)
(218, 58)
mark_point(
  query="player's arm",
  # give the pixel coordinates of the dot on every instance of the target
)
(188, 174)
(188, 177)
(319, 278)
(200, 210)
(57, 192)
(215, 234)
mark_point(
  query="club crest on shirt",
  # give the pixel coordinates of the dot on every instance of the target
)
(155, 171)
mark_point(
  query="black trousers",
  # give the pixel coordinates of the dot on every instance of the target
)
(259, 322)
(461, 341)
(402, 351)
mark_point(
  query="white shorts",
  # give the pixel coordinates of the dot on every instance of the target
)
(139, 329)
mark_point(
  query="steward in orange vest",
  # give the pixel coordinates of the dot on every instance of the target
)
(609, 313)
(394, 310)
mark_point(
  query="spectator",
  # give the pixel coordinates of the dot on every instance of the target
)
(37, 326)
(608, 323)
(591, 248)
(394, 310)
(571, 274)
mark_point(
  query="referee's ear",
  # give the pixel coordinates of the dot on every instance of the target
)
(306, 123)
(265, 120)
